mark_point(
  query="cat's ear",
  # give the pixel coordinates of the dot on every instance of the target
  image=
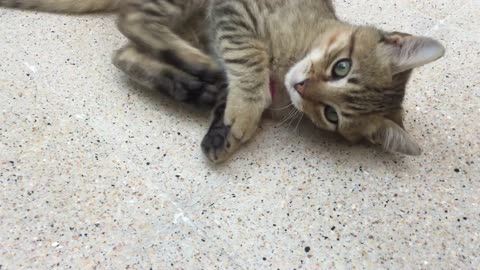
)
(407, 51)
(393, 138)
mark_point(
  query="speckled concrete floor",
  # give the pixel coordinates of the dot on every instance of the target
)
(97, 173)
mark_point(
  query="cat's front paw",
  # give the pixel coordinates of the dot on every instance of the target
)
(216, 145)
(227, 134)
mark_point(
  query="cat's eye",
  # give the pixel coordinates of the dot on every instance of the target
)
(341, 68)
(331, 115)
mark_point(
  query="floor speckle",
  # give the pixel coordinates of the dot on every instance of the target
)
(96, 173)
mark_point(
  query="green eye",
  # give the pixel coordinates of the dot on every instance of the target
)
(341, 68)
(331, 115)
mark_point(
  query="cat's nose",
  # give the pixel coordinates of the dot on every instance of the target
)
(300, 87)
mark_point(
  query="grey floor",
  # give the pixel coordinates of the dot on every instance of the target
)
(96, 173)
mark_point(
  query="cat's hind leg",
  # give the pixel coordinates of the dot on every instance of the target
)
(156, 75)
(151, 26)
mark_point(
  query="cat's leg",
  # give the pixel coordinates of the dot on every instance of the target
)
(149, 25)
(156, 75)
(236, 118)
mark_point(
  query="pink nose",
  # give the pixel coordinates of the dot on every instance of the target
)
(300, 87)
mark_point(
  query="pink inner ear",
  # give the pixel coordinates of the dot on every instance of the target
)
(396, 38)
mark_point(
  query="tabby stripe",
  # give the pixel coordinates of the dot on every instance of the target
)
(232, 10)
(250, 14)
(240, 47)
(354, 81)
(232, 25)
(352, 44)
(253, 88)
(152, 12)
(258, 69)
(175, 4)
(171, 2)
(227, 9)
(269, 6)
(244, 61)
(235, 39)
(238, 71)
(253, 99)
(238, 61)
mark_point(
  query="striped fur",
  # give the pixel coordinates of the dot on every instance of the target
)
(226, 51)
(64, 6)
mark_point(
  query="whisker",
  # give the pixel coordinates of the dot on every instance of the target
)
(292, 119)
(300, 120)
(287, 117)
(280, 109)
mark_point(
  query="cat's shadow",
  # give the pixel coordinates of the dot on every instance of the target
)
(158, 99)
(334, 145)
(316, 139)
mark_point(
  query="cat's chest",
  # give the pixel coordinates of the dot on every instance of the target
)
(281, 105)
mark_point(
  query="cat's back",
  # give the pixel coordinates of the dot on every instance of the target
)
(284, 16)
(260, 8)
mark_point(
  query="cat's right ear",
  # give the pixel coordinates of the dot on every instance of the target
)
(406, 52)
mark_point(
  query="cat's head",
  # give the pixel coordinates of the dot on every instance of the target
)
(353, 82)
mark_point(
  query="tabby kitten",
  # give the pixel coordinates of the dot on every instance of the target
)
(346, 78)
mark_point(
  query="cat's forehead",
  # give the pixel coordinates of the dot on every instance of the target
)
(358, 43)
(376, 89)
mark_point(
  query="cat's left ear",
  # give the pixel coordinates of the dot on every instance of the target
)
(392, 137)
(407, 51)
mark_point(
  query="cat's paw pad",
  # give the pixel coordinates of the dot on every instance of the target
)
(218, 144)
(227, 134)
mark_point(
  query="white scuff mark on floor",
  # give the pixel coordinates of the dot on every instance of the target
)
(185, 219)
(30, 67)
